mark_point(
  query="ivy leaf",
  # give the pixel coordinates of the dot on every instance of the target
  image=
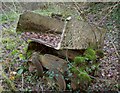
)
(14, 52)
(22, 57)
(20, 71)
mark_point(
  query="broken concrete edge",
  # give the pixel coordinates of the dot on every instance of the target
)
(62, 36)
(42, 42)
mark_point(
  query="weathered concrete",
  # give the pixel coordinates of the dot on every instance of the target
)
(75, 34)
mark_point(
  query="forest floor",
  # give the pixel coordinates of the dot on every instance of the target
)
(17, 76)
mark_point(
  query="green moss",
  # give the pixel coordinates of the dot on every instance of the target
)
(84, 77)
(84, 65)
(90, 54)
(74, 70)
(79, 59)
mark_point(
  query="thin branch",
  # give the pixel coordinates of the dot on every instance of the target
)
(10, 8)
(108, 13)
(5, 14)
(104, 10)
(14, 5)
(112, 42)
(22, 82)
(115, 49)
(79, 11)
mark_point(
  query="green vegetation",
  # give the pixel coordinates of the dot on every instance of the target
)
(8, 17)
(84, 66)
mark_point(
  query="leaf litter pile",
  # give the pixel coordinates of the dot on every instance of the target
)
(50, 39)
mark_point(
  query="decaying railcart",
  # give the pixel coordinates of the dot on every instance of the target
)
(56, 39)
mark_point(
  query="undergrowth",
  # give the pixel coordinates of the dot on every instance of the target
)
(83, 67)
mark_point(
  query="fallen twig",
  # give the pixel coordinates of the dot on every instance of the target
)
(108, 13)
(115, 49)
(79, 11)
(22, 82)
(112, 42)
